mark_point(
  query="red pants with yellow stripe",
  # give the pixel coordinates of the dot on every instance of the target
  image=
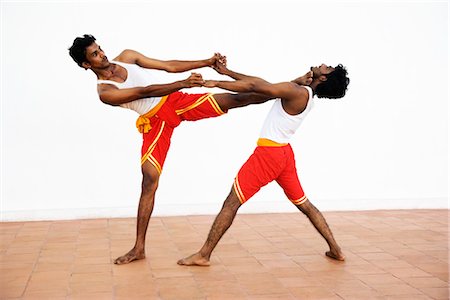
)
(266, 164)
(157, 125)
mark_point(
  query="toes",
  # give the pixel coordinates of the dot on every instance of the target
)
(124, 259)
(121, 260)
(118, 261)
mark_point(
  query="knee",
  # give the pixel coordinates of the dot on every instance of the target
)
(305, 207)
(150, 180)
(149, 184)
(232, 202)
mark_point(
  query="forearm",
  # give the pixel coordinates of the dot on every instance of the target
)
(176, 66)
(236, 75)
(158, 90)
(243, 83)
(122, 96)
(240, 86)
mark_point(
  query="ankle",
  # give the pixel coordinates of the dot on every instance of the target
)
(139, 248)
(204, 254)
(335, 249)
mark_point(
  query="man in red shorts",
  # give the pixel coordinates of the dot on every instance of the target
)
(273, 158)
(132, 81)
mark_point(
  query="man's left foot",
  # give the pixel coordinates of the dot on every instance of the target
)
(337, 255)
(132, 255)
(194, 260)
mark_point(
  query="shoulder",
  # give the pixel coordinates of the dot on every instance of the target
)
(295, 91)
(296, 101)
(303, 90)
(302, 93)
(128, 56)
(294, 87)
(106, 86)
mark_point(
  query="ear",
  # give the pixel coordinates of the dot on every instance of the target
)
(86, 65)
(323, 78)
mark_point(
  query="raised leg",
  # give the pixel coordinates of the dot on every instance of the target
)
(319, 222)
(150, 178)
(221, 224)
(228, 101)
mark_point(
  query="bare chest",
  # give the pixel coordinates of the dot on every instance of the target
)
(119, 74)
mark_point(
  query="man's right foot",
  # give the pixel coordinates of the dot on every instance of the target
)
(129, 257)
(194, 260)
(334, 254)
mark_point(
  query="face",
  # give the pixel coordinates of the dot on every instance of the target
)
(96, 58)
(321, 70)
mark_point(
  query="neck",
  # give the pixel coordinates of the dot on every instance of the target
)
(314, 85)
(105, 73)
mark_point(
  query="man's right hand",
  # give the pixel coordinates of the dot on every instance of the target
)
(217, 58)
(194, 80)
(306, 79)
(220, 68)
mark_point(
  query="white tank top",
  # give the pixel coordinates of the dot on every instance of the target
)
(280, 126)
(137, 76)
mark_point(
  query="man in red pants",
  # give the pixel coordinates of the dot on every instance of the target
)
(273, 158)
(132, 81)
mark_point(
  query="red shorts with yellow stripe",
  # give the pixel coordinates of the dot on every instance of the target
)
(267, 163)
(158, 124)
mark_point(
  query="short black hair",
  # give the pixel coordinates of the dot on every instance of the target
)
(78, 49)
(336, 84)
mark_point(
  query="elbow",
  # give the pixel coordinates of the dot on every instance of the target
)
(126, 52)
(107, 101)
(260, 86)
(250, 86)
(172, 69)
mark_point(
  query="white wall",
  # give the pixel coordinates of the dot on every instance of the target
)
(385, 145)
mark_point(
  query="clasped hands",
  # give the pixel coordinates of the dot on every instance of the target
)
(218, 62)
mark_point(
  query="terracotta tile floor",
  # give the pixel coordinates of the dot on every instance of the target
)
(396, 254)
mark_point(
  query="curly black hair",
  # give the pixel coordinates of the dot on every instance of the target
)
(78, 49)
(336, 84)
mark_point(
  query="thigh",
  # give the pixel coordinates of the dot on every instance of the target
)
(289, 181)
(261, 168)
(228, 101)
(192, 107)
(156, 144)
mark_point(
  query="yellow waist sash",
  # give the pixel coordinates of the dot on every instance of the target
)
(143, 122)
(269, 143)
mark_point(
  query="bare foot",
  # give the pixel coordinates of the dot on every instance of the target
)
(129, 257)
(194, 260)
(337, 255)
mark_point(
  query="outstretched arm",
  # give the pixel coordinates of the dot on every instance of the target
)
(295, 97)
(110, 94)
(223, 70)
(172, 66)
(246, 83)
